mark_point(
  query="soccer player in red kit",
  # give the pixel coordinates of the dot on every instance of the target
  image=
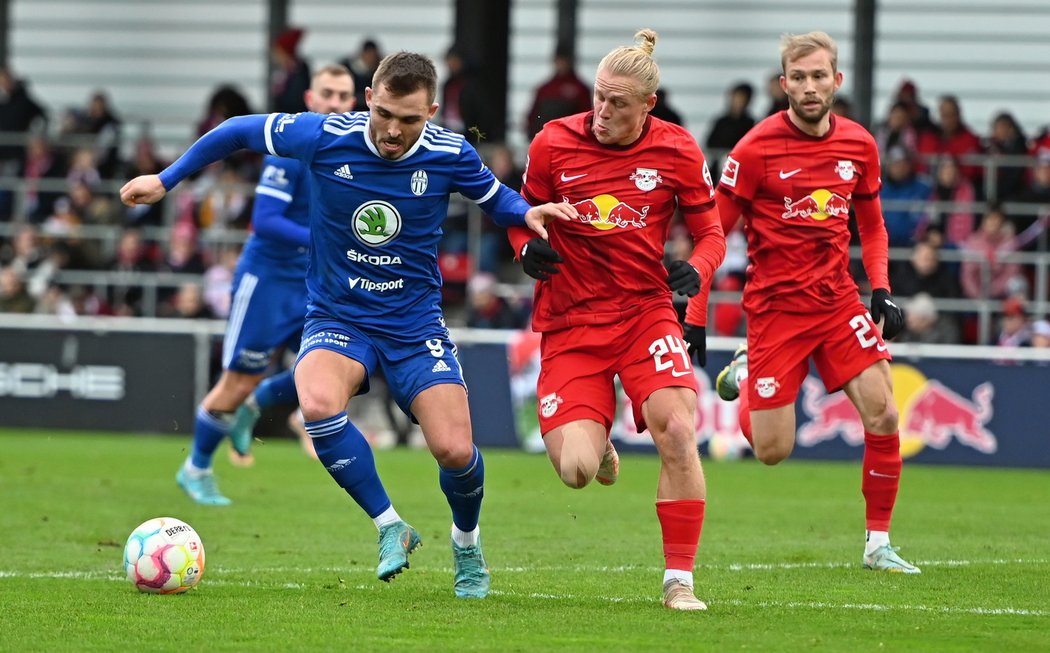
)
(603, 301)
(793, 177)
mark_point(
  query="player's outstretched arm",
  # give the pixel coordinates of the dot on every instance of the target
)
(538, 217)
(144, 189)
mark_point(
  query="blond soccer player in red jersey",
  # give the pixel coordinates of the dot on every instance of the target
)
(603, 301)
(793, 178)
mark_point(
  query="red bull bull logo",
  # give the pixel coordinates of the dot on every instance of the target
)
(931, 415)
(819, 205)
(606, 212)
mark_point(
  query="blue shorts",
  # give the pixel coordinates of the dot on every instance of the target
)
(409, 365)
(266, 313)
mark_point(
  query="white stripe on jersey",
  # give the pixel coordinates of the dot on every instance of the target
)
(273, 192)
(266, 131)
(241, 299)
(341, 124)
(492, 191)
(451, 149)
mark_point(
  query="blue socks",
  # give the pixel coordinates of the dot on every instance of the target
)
(345, 453)
(208, 431)
(464, 489)
(277, 389)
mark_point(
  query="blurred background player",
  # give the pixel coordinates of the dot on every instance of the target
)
(594, 329)
(374, 289)
(268, 309)
(794, 177)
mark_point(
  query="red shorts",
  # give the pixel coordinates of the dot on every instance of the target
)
(843, 342)
(578, 365)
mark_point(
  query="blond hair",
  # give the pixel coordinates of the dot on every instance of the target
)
(333, 69)
(796, 46)
(636, 61)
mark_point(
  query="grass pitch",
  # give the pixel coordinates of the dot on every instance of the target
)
(291, 565)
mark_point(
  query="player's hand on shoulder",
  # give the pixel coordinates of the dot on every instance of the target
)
(883, 307)
(539, 259)
(696, 337)
(144, 189)
(683, 278)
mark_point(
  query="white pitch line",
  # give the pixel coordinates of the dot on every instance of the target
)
(546, 596)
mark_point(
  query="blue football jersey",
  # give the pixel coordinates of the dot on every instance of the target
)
(281, 194)
(375, 223)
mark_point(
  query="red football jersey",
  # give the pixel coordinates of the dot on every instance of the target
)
(796, 191)
(625, 196)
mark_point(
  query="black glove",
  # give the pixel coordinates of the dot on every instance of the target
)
(882, 306)
(696, 336)
(538, 259)
(683, 278)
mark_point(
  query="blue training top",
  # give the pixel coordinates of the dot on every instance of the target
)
(375, 224)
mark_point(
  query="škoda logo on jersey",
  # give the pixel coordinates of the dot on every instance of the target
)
(376, 223)
(819, 205)
(605, 212)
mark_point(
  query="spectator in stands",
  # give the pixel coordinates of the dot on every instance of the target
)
(450, 116)
(954, 192)
(182, 255)
(14, 298)
(1007, 139)
(82, 168)
(994, 240)
(923, 324)
(187, 303)
(92, 208)
(42, 166)
(897, 131)
(30, 260)
(731, 126)
(918, 113)
(562, 95)
(218, 281)
(1041, 334)
(463, 105)
(225, 102)
(663, 109)
(291, 73)
(904, 195)
(778, 99)
(924, 273)
(842, 106)
(131, 258)
(952, 136)
(99, 121)
(19, 113)
(486, 309)
(1014, 330)
(225, 197)
(1036, 194)
(362, 67)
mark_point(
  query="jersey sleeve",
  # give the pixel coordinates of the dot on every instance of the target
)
(536, 183)
(870, 182)
(295, 135)
(475, 181)
(277, 185)
(742, 172)
(874, 243)
(696, 191)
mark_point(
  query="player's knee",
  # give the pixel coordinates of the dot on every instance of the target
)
(318, 403)
(452, 453)
(773, 450)
(883, 420)
(578, 463)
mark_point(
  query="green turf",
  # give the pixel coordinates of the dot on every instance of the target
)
(290, 566)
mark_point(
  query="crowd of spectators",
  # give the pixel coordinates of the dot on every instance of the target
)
(948, 194)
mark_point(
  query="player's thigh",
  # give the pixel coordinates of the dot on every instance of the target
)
(779, 346)
(773, 432)
(444, 417)
(872, 393)
(851, 344)
(415, 363)
(333, 365)
(653, 357)
(576, 379)
(264, 314)
(575, 449)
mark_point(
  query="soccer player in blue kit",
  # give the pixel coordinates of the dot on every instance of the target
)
(269, 300)
(379, 191)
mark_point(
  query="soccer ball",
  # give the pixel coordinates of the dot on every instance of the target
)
(164, 556)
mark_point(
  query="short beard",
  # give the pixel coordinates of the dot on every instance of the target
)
(797, 108)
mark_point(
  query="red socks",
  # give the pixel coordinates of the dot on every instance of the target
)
(680, 522)
(882, 476)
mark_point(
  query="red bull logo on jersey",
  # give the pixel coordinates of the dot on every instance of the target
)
(931, 415)
(605, 212)
(819, 205)
(646, 179)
